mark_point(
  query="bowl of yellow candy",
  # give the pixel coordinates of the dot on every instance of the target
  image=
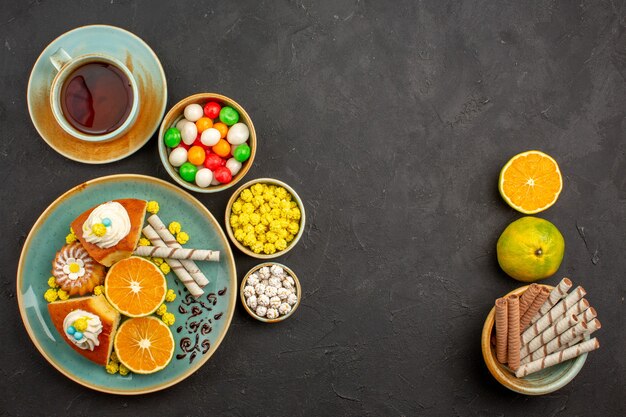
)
(265, 218)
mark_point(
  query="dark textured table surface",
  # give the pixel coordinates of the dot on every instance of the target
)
(392, 121)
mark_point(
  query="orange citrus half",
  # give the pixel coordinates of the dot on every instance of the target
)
(135, 287)
(144, 344)
(530, 182)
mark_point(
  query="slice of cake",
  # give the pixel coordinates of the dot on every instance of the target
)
(87, 324)
(110, 232)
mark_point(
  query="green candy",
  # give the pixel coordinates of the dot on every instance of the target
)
(242, 152)
(188, 171)
(172, 137)
(229, 116)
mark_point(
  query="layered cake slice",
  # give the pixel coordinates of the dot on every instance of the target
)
(87, 324)
(110, 232)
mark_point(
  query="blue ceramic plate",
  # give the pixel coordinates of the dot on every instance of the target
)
(200, 324)
(136, 56)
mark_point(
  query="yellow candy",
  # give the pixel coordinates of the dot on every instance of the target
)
(282, 234)
(250, 239)
(294, 214)
(269, 248)
(265, 208)
(240, 234)
(81, 324)
(123, 370)
(234, 220)
(112, 368)
(260, 228)
(237, 207)
(71, 238)
(248, 229)
(99, 229)
(165, 268)
(170, 295)
(289, 238)
(144, 242)
(99, 290)
(174, 228)
(258, 201)
(182, 238)
(246, 195)
(52, 282)
(244, 218)
(114, 358)
(51, 295)
(293, 204)
(284, 205)
(255, 218)
(275, 213)
(261, 238)
(161, 310)
(280, 192)
(281, 244)
(271, 237)
(275, 225)
(158, 261)
(257, 247)
(293, 228)
(248, 208)
(266, 219)
(257, 189)
(63, 295)
(168, 318)
(153, 207)
(275, 202)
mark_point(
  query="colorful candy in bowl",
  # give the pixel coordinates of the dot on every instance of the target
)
(207, 142)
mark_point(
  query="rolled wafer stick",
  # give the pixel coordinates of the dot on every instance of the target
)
(557, 357)
(578, 308)
(176, 266)
(501, 330)
(553, 315)
(527, 298)
(556, 294)
(588, 315)
(541, 297)
(549, 334)
(592, 326)
(171, 242)
(178, 253)
(513, 339)
(557, 343)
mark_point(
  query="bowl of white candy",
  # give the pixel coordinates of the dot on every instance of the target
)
(270, 292)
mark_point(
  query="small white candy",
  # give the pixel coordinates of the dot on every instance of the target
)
(189, 133)
(259, 289)
(204, 176)
(277, 271)
(274, 302)
(284, 308)
(181, 123)
(265, 282)
(283, 293)
(287, 284)
(178, 157)
(193, 112)
(253, 279)
(210, 137)
(292, 299)
(264, 273)
(263, 300)
(275, 282)
(234, 166)
(270, 291)
(248, 291)
(238, 134)
(261, 311)
(252, 302)
(272, 313)
(290, 280)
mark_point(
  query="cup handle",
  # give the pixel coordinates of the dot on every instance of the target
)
(60, 58)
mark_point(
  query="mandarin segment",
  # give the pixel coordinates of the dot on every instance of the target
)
(144, 345)
(135, 286)
(530, 182)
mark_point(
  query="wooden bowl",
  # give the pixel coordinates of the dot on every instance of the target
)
(543, 382)
(247, 250)
(176, 113)
(264, 319)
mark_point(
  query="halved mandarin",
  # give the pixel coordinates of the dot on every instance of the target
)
(144, 344)
(135, 287)
(530, 182)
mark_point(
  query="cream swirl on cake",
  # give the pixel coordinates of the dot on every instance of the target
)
(107, 225)
(83, 328)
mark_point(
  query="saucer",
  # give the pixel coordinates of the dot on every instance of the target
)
(138, 58)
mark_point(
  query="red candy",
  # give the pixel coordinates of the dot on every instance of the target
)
(212, 110)
(184, 145)
(223, 175)
(214, 162)
(198, 142)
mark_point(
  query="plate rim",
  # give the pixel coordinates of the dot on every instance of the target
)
(122, 155)
(44, 216)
